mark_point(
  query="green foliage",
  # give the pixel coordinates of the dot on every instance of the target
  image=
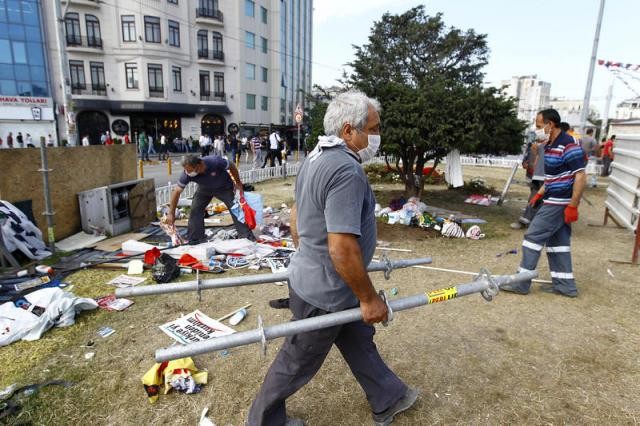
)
(428, 78)
(316, 114)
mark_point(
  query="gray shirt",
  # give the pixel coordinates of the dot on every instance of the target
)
(332, 195)
(589, 145)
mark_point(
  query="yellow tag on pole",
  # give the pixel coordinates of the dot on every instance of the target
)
(442, 295)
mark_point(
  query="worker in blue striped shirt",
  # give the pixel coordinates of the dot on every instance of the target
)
(564, 182)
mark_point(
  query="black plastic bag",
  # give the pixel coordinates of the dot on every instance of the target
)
(165, 269)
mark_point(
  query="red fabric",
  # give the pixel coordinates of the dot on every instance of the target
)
(151, 256)
(570, 214)
(188, 260)
(249, 214)
(607, 149)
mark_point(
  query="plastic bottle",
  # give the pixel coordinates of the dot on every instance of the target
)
(237, 317)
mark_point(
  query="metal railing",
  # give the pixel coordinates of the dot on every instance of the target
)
(83, 41)
(156, 92)
(92, 91)
(212, 96)
(217, 55)
(203, 12)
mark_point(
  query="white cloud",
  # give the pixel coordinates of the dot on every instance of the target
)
(324, 10)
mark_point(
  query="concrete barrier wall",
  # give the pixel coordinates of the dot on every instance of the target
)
(73, 170)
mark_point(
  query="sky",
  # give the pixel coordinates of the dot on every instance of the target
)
(550, 38)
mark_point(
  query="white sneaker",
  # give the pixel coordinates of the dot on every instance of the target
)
(516, 225)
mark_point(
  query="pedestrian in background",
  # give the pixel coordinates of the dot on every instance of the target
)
(256, 147)
(607, 155)
(142, 143)
(10, 140)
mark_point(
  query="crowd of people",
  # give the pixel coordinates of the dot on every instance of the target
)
(26, 141)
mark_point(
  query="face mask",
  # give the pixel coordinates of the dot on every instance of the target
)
(541, 135)
(369, 152)
(191, 174)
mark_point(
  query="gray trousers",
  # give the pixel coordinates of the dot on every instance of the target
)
(199, 204)
(257, 158)
(302, 355)
(530, 211)
(548, 229)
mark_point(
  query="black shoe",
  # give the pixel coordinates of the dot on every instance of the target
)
(551, 289)
(279, 303)
(386, 417)
(511, 289)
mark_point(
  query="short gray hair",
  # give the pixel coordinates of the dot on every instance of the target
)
(190, 160)
(349, 107)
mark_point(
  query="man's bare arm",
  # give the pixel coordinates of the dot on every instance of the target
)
(173, 204)
(347, 258)
(294, 225)
(580, 181)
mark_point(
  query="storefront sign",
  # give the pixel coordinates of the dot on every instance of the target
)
(25, 101)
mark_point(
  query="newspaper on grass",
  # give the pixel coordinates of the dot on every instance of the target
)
(123, 281)
(195, 327)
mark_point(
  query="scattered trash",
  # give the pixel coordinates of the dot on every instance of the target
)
(105, 331)
(35, 313)
(111, 303)
(180, 374)
(204, 420)
(238, 317)
(232, 313)
(89, 355)
(394, 291)
(475, 233)
(44, 269)
(451, 229)
(224, 353)
(172, 232)
(136, 267)
(123, 281)
(481, 200)
(512, 251)
(11, 402)
(165, 269)
(610, 273)
(195, 327)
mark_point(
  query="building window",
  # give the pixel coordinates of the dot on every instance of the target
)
(203, 45)
(176, 75)
(172, 1)
(94, 38)
(156, 88)
(218, 85)
(250, 39)
(174, 33)
(128, 28)
(250, 71)
(131, 71)
(217, 45)
(264, 103)
(250, 8)
(263, 14)
(205, 86)
(98, 82)
(265, 72)
(72, 29)
(76, 69)
(264, 44)
(251, 101)
(152, 29)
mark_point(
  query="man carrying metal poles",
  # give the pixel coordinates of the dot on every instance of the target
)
(334, 228)
(565, 179)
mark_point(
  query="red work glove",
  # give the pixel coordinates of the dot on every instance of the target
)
(534, 200)
(570, 214)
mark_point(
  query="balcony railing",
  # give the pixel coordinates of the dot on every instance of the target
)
(83, 41)
(212, 96)
(156, 92)
(217, 55)
(203, 12)
(81, 89)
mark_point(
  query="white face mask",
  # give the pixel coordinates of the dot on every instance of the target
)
(370, 151)
(191, 174)
(541, 136)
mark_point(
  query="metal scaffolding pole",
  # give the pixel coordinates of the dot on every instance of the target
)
(386, 265)
(594, 52)
(485, 284)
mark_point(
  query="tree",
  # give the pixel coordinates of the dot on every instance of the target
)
(319, 103)
(428, 78)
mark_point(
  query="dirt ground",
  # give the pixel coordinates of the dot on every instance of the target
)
(535, 359)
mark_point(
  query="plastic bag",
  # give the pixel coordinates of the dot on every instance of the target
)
(249, 213)
(254, 201)
(165, 269)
